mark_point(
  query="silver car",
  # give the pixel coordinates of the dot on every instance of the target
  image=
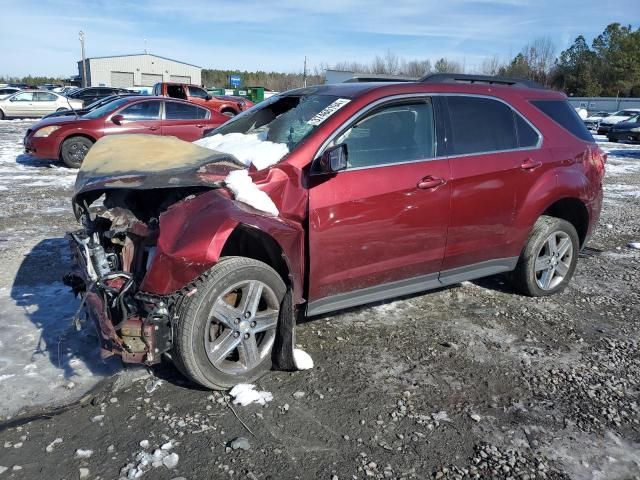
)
(35, 103)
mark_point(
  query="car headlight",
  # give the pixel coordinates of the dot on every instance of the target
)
(46, 131)
(635, 130)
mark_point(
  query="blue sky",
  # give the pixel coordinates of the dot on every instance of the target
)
(41, 37)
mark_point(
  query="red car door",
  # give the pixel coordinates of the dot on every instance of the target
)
(384, 219)
(140, 117)
(184, 120)
(495, 160)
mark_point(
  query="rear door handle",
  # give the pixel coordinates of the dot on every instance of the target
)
(153, 128)
(199, 125)
(430, 182)
(530, 164)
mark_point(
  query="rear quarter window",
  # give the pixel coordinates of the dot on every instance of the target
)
(562, 113)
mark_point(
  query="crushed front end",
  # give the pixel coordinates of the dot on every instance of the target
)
(111, 255)
(126, 183)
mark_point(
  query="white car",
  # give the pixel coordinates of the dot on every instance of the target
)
(621, 116)
(7, 91)
(35, 103)
(593, 121)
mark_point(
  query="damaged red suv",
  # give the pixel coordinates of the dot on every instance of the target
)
(377, 190)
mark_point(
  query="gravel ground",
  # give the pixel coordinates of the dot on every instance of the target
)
(471, 381)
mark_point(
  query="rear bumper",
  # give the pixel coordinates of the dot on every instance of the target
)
(142, 333)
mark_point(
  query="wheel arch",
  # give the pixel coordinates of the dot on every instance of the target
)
(246, 241)
(574, 211)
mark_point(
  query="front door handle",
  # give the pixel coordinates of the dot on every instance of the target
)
(530, 164)
(430, 182)
(199, 125)
(153, 128)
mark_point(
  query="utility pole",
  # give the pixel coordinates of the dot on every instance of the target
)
(304, 74)
(84, 65)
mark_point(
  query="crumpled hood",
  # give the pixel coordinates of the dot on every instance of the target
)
(150, 161)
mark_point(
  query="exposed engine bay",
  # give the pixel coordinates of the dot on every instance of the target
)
(116, 246)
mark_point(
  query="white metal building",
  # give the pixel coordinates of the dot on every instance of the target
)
(138, 70)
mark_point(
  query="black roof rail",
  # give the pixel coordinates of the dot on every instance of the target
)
(467, 78)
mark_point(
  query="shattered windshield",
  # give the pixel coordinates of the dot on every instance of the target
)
(284, 119)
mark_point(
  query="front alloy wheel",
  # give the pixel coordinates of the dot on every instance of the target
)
(242, 327)
(225, 331)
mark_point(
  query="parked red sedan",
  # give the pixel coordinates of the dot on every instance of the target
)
(70, 138)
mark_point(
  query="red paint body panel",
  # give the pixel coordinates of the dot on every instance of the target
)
(194, 231)
(49, 147)
(370, 226)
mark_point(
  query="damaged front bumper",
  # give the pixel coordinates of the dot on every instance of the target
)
(135, 326)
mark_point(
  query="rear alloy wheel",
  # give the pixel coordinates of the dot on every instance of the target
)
(225, 331)
(62, 109)
(549, 259)
(74, 150)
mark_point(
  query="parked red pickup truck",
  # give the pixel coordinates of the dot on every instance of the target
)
(230, 106)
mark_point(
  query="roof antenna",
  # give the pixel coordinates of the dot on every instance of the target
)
(145, 45)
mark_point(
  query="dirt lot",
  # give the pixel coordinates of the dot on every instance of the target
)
(471, 381)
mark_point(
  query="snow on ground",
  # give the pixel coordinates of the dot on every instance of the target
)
(43, 359)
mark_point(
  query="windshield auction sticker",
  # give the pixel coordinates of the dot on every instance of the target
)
(328, 111)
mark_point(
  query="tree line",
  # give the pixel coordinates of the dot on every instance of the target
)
(610, 66)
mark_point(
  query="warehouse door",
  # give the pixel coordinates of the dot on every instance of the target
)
(150, 79)
(180, 79)
(122, 79)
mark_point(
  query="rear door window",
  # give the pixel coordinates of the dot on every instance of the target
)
(564, 114)
(527, 136)
(183, 111)
(392, 134)
(142, 111)
(480, 125)
(45, 97)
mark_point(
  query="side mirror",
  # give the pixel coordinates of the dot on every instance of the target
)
(332, 160)
(208, 97)
(117, 119)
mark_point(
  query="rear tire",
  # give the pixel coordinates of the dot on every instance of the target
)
(1, 115)
(549, 258)
(74, 149)
(224, 332)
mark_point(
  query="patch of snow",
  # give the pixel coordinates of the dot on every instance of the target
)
(247, 148)
(47, 352)
(144, 444)
(303, 359)
(245, 393)
(49, 448)
(634, 245)
(245, 191)
(82, 453)
(171, 460)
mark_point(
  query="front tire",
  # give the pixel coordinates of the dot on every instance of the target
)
(74, 150)
(224, 332)
(549, 258)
